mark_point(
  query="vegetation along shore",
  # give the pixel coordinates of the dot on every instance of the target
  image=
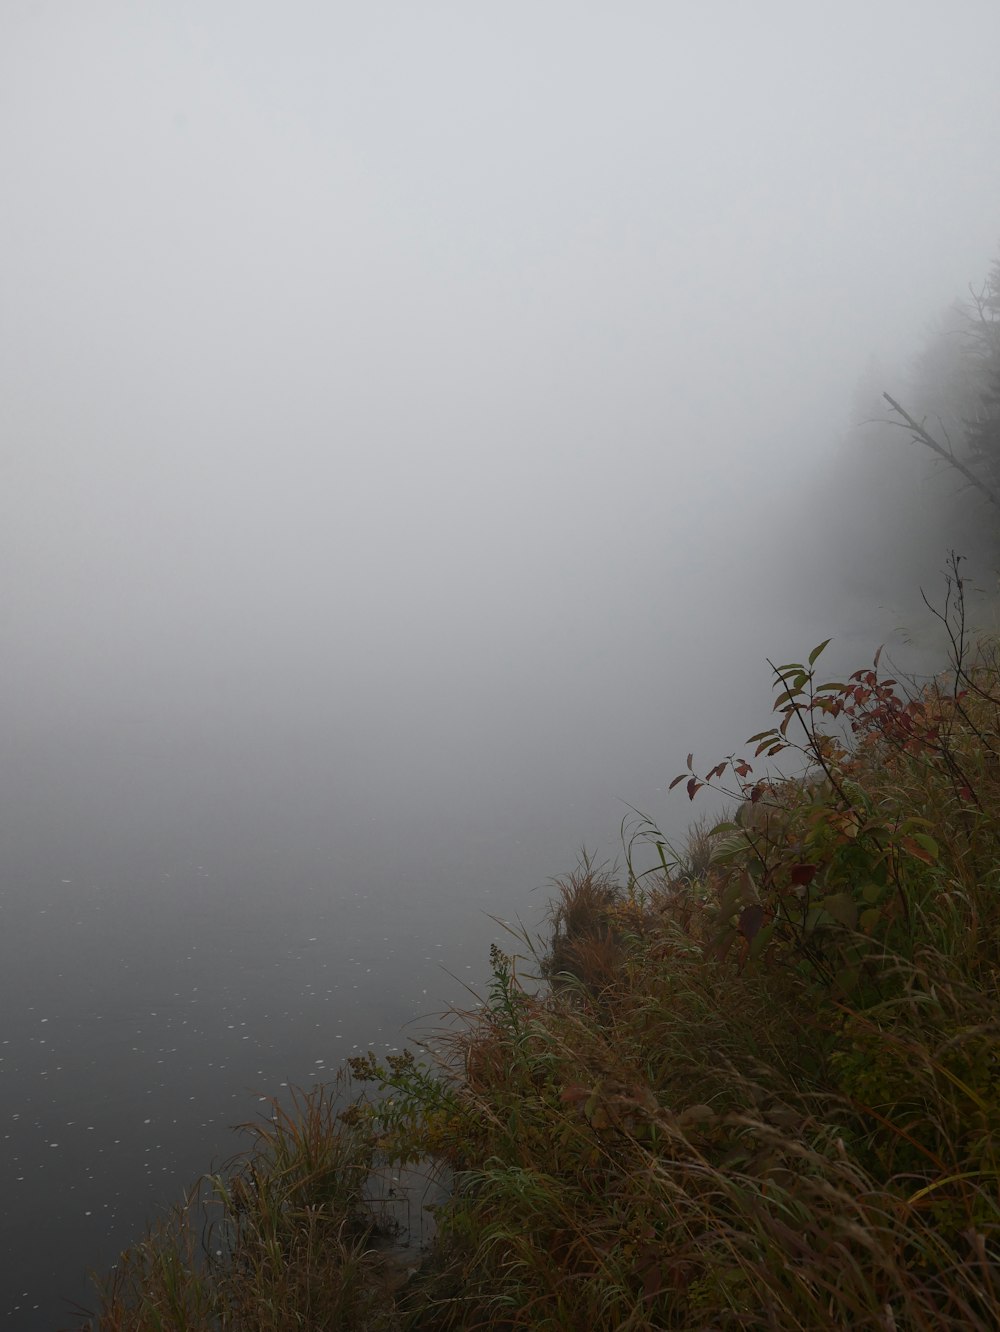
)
(753, 1084)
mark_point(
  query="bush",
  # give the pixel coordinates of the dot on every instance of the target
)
(760, 1089)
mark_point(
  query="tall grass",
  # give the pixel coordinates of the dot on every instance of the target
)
(286, 1236)
(760, 1089)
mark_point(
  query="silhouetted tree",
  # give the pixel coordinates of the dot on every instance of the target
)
(982, 430)
(966, 397)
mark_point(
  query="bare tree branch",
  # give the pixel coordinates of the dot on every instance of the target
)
(922, 436)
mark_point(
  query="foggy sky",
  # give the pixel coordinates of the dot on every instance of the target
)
(407, 409)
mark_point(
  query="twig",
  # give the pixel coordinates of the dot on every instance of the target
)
(922, 436)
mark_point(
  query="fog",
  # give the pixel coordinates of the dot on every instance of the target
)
(401, 407)
(418, 424)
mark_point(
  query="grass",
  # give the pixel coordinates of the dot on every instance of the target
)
(285, 1236)
(759, 1088)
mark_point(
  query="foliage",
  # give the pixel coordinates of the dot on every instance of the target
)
(754, 1086)
(285, 1236)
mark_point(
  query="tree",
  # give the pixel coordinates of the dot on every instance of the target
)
(982, 429)
(958, 385)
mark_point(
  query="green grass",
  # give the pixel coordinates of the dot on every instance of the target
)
(756, 1086)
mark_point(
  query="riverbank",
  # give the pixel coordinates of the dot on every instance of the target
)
(750, 1084)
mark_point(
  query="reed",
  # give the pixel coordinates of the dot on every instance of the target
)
(754, 1087)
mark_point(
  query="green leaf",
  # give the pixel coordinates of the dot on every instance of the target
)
(928, 843)
(871, 892)
(870, 918)
(733, 896)
(817, 650)
(838, 907)
(786, 695)
(841, 907)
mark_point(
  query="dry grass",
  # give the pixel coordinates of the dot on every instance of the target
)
(284, 1237)
(761, 1090)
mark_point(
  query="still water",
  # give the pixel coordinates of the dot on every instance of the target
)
(203, 905)
(149, 1007)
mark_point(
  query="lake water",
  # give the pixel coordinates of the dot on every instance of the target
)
(148, 1008)
(199, 909)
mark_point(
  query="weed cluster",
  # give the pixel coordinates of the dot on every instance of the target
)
(760, 1089)
(287, 1235)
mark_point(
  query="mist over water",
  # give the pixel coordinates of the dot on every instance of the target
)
(419, 424)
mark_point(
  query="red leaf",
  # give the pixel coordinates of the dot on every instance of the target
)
(693, 787)
(916, 850)
(803, 874)
(677, 781)
(574, 1095)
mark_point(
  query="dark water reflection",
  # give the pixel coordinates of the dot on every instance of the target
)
(193, 918)
(144, 1012)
